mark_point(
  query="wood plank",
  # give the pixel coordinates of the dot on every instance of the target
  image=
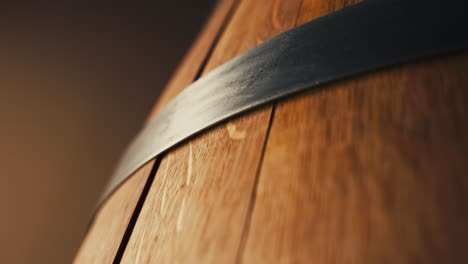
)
(105, 235)
(196, 208)
(367, 170)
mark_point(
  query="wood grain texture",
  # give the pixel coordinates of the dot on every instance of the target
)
(104, 237)
(197, 206)
(194, 212)
(371, 169)
(368, 170)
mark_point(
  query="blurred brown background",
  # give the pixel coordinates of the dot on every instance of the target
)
(76, 82)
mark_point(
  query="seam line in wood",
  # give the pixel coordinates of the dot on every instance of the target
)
(215, 42)
(135, 215)
(253, 194)
(159, 158)
(248, 220)
(136, 212)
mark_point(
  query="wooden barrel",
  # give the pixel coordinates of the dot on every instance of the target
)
(372, 169)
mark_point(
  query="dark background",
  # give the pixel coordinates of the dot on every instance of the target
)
(76, 83)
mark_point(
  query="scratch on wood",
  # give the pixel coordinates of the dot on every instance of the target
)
(181, 216)
(163, 201)
(163, 198)
(234, 133)
(167, 165)
(189, 166)
(140, 245)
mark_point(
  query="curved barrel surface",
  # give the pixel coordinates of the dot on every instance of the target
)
(367, 169)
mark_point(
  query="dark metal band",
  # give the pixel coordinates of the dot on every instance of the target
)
(357, 39)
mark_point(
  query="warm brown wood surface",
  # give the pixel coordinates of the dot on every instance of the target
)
(107, 231)
(368, 170)
(371, 169)
(104, 237)
(197, 206)
(376, 171)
